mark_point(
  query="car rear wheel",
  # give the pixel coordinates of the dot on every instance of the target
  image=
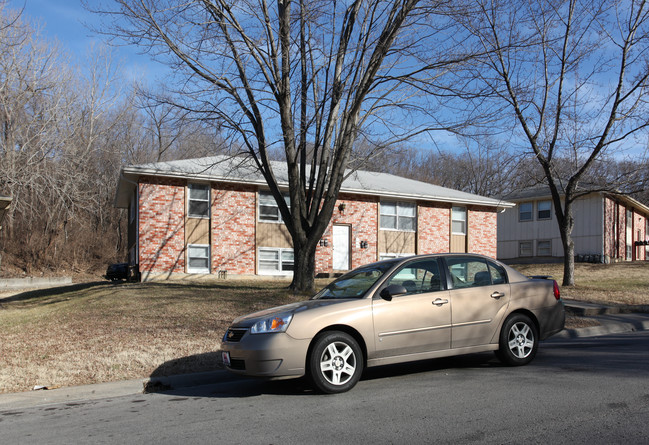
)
(335, 362)
(518, 341)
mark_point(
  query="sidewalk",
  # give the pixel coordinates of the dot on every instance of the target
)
(613, 320)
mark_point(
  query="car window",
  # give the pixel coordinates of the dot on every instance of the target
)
(498, 274)
(418, 277)
(469, 272)
(355, 283)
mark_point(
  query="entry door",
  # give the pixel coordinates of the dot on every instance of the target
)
(341, 247)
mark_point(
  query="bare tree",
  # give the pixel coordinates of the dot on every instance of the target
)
(309, 77)
(569, 78)
(54, 119)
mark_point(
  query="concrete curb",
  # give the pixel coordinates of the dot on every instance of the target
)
(33, 283)
(586, 309)
(84, 393)
(609, 324)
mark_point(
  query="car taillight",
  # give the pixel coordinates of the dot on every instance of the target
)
(557, 293)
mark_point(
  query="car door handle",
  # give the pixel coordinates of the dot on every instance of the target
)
(497, 295)
(438, 301)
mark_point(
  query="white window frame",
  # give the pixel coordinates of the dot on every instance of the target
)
(208, 258)
(390, 255)
(629, 234)
(196, 185)
(458, 211)
(270, 203)
(531, 211)
(520, 249)
(280, 261)
(540, 250)
(398, 205)
(538, 210)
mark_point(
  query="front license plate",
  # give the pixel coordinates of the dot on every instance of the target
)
(225, 355)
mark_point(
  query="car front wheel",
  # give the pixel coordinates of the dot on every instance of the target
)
(335, 362)
(518, 341)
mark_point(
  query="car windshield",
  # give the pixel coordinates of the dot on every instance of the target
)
(355, 283)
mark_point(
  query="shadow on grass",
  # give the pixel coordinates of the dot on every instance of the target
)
(223, 384)
(54, 291)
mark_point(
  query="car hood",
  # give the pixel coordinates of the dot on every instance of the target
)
(250, 319)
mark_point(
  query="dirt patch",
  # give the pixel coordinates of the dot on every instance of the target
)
(576, 322)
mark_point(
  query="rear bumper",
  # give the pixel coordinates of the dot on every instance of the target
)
(552, 319)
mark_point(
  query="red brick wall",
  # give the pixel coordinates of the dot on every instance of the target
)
(233, 225)
(434, 227)
(610, 231)
(615, 237)
(361, 213)
(482, 229)
(233, 228)
(161, 225)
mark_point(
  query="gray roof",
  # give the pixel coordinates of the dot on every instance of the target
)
(543, 192)
(244, 171)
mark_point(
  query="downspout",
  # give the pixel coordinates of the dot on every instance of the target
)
(604, 228)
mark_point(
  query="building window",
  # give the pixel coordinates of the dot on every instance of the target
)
(544, 248)
(275, 261)
(525, 248)
(199, 200)
(268, 209)
(458, 220)
(544, 210)
(525, 211)
(399, 216)
(198, 258)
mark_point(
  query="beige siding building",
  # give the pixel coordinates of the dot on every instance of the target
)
(608, 227)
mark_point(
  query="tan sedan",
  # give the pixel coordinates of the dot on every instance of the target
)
(398, 310)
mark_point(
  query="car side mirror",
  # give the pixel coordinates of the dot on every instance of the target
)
(392, 290)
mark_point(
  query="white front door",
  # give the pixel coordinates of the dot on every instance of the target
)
(341, 247)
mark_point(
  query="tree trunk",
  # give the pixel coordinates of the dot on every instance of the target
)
(303, 266)
(568, 261)
(566, 225)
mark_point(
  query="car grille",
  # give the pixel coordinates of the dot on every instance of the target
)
(239, 365)
(234, 335)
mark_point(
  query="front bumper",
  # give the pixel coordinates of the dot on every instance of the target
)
(266, 355)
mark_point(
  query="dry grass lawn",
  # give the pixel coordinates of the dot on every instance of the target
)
(99, 332)
(613, 284)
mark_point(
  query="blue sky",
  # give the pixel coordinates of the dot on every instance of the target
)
(66, 20)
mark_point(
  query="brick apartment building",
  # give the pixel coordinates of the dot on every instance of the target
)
(216, 216)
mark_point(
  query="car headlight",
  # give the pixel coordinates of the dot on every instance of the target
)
(278, 323)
